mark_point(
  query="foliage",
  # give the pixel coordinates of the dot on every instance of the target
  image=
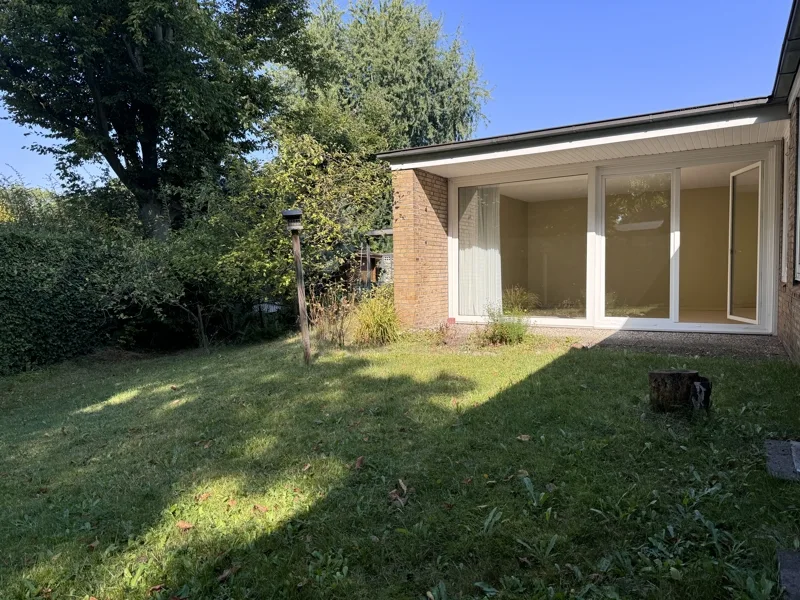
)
(102, 459)
(164, 91)
(503, 329)
(393, 79)
(376, 321)
(336, 192)
(50, 299)
(519, 301)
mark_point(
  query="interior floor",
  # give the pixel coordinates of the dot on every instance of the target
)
(714, 316)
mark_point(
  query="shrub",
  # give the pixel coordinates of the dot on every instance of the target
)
(503, 329)
(375, 318)
(518, 300)
(50, 297)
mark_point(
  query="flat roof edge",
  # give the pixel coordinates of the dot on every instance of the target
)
(518, 139)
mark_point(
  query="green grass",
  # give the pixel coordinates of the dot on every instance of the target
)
(100, 462)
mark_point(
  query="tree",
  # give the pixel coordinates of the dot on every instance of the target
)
(394, 79)
(162, 90)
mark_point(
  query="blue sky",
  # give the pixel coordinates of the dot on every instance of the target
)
(552, 63)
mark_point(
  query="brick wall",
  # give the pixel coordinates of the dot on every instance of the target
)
(789, 293)
(420, 248)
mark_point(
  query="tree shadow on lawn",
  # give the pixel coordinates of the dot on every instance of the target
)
(494, 466)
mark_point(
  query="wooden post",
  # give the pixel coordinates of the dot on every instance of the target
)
(369, 266)
(301, 297)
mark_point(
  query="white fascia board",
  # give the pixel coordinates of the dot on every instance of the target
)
(793, 93)
(599, 141)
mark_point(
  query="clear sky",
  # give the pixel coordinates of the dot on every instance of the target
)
(551, 62)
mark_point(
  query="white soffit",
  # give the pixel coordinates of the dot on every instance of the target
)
(716, 134)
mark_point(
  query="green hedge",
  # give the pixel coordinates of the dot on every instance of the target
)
(49, 298)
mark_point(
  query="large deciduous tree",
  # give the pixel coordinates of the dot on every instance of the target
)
(162, 90)
(394, 78)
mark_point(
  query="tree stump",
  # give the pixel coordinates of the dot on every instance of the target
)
(674, 390)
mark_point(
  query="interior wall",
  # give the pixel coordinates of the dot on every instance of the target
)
(704, 249)
(557, 251)
(513, 242)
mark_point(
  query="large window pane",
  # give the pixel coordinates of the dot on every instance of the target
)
(637, 232)
(522, 247)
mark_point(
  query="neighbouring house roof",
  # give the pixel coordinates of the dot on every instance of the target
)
(708, 126)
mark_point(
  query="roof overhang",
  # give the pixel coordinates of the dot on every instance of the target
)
(712, 126)
(785, 86)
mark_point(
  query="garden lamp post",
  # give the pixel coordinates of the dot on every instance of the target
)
(294, 226)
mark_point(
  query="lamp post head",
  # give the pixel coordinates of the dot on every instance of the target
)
(293, 219)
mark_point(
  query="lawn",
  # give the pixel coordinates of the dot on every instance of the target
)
(535, 471)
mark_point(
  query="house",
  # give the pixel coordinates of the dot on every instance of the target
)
(684, 220)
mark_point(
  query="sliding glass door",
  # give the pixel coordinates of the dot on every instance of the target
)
(680, 248)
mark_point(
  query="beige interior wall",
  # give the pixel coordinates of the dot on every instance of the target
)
(637, 262)
(557, 245)
(513, 242)
(704, 249)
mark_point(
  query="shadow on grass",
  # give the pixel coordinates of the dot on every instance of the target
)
(522, 471)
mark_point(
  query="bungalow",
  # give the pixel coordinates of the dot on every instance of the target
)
(684, 220)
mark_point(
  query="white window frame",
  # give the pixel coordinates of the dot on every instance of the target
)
(767, 153)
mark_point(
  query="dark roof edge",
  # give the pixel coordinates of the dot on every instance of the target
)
(656, 117)
(776, 93)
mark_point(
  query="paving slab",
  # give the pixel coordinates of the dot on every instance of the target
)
(781, 460)
(789, 573)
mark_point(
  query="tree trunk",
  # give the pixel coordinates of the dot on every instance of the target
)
(155, 223)
(673, 390)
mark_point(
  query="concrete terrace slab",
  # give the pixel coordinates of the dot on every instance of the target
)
(684, 344)
(789, 573)
(781, 460)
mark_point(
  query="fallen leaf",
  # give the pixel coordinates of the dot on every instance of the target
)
(203, 497)
(184, 525)
(375, 539)
(403, 485)
(366, 438)
(155, 588)
(231, 503)
(359, 463)
(41, 490)
(524, 437)
(174, 388)
(93, 546)
(228, 573)
(448, 505)
(467, 480)
(260, 508)
(207, 445)
(307, 467)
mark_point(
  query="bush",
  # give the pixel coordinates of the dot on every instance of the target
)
(50, 297)
(375, 318)
(517, 300)
(503, 329)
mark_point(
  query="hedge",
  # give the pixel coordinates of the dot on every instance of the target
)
(49, 298)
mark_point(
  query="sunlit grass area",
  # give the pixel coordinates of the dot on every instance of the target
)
(531, 471)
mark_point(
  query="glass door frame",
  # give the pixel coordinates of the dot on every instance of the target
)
(768, 154)
(760, 167)
(601, 320)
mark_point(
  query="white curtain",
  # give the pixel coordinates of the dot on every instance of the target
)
(479, 279)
